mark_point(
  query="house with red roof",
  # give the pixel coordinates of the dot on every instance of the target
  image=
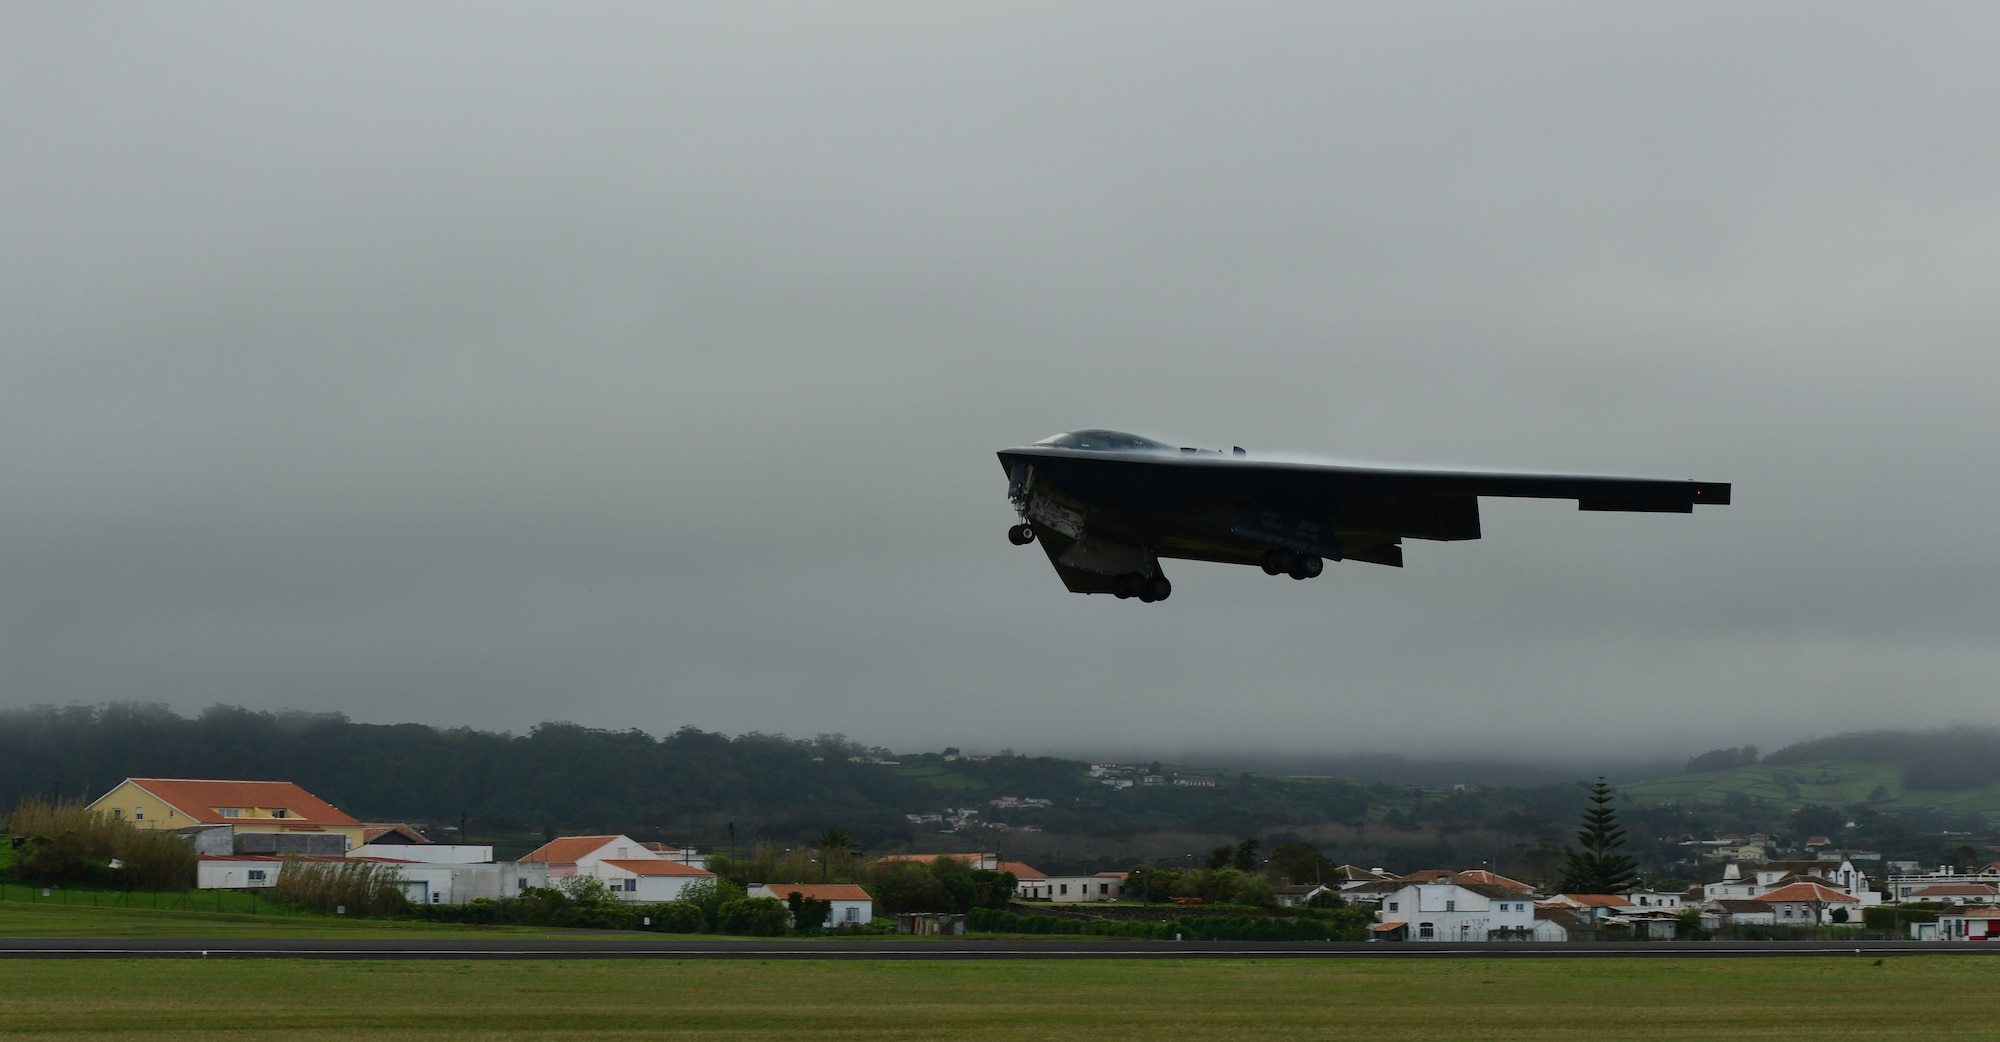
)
(848, 904)
(1968, 924)
(1808, 903)
(256, 817)
(633, 870)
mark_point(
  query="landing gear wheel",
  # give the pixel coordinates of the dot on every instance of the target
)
(1159, 589)
(1021, 534)
(1271, 565)
(1307, 566)
(1122, 586)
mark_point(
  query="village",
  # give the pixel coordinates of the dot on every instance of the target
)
(244, 835)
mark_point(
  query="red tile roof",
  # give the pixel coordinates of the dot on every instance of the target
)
(1477, 875)
(820, 891)
(1807, 892)
(657, 868)
(1386, 927)
(199, 798)
(567, 850)
(1600, 900)
(1022, 871)
(1957, 890)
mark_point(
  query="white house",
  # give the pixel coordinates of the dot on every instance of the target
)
(1800, 904)
(1029, 882)
(637, 872)
(1649, 900)
(648, 882)
(1104, 886)
(851, 905)
(1735, 886)
(1457, 912)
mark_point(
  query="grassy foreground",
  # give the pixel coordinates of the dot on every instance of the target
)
(22, 919)
(1929, 997)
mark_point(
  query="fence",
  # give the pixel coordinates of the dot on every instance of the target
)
(240, 902)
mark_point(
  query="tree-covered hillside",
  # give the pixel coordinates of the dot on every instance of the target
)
(689, 786)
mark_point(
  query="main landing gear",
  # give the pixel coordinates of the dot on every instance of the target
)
(1021, 534)
(1296, 565)
(1148, 588)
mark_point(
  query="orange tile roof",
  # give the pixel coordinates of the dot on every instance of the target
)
(1022, 871)
(567, 850)
(658, 868)
(1386, 927)
(1958, 890)
(820, 891)
(1478, 875)
(1807, 892)
(199, 798)
(1599, 900)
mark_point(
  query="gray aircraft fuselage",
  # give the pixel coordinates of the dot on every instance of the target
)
(1107, 506)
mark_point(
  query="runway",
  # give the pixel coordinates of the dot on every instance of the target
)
(938, 949)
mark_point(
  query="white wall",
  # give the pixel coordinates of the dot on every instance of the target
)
(1455, 913)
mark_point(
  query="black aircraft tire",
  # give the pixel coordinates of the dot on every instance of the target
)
(1122, 586)
(1159, 589)
(1021, 535)
(1271, 566)
(1307, 566)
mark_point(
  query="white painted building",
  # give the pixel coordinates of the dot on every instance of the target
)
(1457, 912)
(428, 853)
(421, 883)
(851, 905)
(649, 881)
(1104, 886)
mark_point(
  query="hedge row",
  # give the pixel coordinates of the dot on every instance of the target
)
(1206, 928)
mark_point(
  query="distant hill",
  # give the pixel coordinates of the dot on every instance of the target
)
(1953, 772)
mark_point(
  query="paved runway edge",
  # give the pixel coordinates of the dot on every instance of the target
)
(198, 948)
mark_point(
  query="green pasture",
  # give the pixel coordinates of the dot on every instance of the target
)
(1834, 783)
(1770, 1000)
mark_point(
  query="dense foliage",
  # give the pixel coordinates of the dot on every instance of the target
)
(1599, 868)
(64, 843)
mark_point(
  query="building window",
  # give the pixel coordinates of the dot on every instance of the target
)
(1394, 905)
(1426, 931)
(1104, 888)
(1063, 888)
(853, 914)
(1451, 906)
(522, 883)
(279, 814)
(228, 812)
(138, 814)
(631, 886)
(256, 875)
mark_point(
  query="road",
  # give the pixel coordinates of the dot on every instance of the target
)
(599, 948)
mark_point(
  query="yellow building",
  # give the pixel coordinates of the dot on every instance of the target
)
(247, 807)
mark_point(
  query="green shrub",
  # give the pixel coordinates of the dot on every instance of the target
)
(68, 843)
(672, 917)
(362, 887)
(753, 917)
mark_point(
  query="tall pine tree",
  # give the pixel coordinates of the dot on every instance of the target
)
(1598, 868)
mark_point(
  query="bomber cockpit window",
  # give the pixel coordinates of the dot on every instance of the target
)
(1105, 441)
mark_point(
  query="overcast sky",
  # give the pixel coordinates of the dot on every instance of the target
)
(643, 365)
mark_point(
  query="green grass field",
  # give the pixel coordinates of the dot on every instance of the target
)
(1831, 783)
(1927, 998)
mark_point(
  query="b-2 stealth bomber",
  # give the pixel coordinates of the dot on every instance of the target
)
(1107, 507)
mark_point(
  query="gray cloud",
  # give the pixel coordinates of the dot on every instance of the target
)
(642, 365)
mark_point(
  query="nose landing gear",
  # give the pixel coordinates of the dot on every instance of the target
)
(1021, 534)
